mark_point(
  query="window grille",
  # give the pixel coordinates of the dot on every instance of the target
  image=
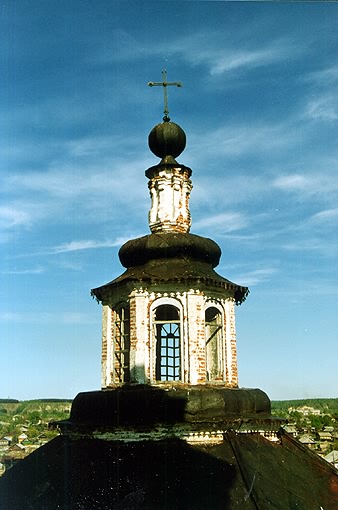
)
(214, 344)
(121, 335)
(168, 343)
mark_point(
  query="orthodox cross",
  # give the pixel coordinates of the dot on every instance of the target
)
(165, 84)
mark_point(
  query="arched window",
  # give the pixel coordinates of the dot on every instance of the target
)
(168, 343)
(214, 343)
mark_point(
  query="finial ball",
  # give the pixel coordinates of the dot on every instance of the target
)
(167, 139)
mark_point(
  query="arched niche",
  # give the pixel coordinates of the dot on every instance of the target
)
(214, 342)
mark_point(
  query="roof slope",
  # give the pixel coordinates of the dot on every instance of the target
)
(244, 472)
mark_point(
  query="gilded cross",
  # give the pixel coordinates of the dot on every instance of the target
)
(165, 84)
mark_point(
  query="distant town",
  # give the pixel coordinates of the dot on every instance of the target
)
(314, 423)
(25, 426)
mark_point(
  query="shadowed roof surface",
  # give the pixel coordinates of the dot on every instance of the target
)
(244, 472)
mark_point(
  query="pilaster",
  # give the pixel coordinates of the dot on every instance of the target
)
(170, 189)
(196, 338)
(139, 335)
(231, 350)
(106, 362)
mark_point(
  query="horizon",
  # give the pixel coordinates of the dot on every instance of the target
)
(53, 399)
(258, 108)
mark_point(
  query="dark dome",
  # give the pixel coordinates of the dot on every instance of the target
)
(137, 252)
(167, 139)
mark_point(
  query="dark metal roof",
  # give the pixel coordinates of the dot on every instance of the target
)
(169, 245)
(166, 404)
(171, 258)
(197, 274)
(244, 472)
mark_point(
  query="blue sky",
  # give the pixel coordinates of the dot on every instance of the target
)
(258, 107)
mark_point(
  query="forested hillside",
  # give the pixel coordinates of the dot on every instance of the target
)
(324, 405)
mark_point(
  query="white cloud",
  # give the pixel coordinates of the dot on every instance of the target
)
(237, 140)
(323, 107)
(324, 247)
(109, 174)
(58, 183)
(255, 277)
(36, 270)
(321, 101)
(219, 53)
(322, 77)
(88, 244)
(69, 264)
(325, 215)
(215, 192)
(321, 184)
(122, 46)
(77, 318)
(232, 59)
(12, 216)
(9, 316)
(26, 212)
(104, 146)
(224, 56)
(48, 318)
(293, 182)
(69, 193)
(222, 223)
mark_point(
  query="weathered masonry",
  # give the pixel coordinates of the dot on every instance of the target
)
(169, 318)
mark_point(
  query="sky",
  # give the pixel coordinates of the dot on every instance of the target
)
(259, 111)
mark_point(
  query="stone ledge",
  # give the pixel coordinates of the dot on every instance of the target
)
(180, 407)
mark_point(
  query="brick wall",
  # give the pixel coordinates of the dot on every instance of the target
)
(192, 306)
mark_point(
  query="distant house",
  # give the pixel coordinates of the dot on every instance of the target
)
(332, 458)
(17, 451)
(307, 440)
(305, 410)
(291, 429)
(324, 436)
(17, 448)
(22, 437)
(4, 441)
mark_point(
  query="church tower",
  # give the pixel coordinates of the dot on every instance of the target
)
(170, 428)
(169, 318)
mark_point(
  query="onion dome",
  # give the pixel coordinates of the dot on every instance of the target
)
(167, 141)
(137, 252)
(179, 259)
